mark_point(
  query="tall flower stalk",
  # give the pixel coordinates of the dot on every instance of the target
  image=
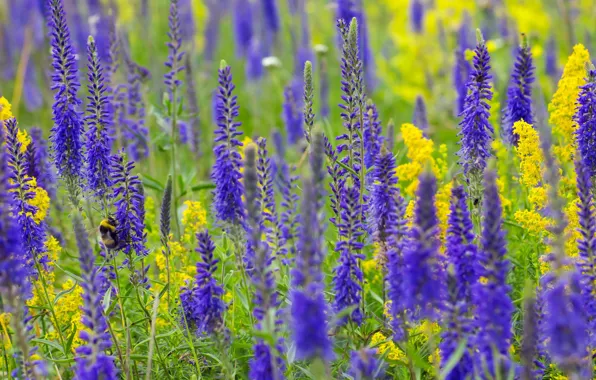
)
(175, 65)
(476, 131)
(519, 94)
(99, 123)
(586, 119)
(67, 131)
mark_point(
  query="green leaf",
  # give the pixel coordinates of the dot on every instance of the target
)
(77, 278)
(152, 183)
(63, 293)
(71, 338)
(48, 343)
(203, 186)
(454, 359)
(107, 299)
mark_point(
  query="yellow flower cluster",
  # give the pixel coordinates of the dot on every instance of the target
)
(572, 232)
(53, 250)
(442, 202)
(420, 153)
(383, 345)
(529, 153)
(538, 197)
(194, 219)
(371, 268)
(5, 109)
(562, 107)
(41, 202)
(69, 311)
(532, 221)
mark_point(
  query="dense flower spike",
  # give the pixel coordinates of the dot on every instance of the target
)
(286, 184)
(373, 134)
(33, 233)
(99, 124)
(175, 55)
(551, 66)
(417, 17)
(201, 301)
(587, 245)
(494, 308)
(265, 364)
(226, 170)
(269, 217)
(519, 94)
(586, 119)
(352, 87)
(243, 26)
(14, 268)
(127, 190)
(270, 15)
(308, 113)
(68, 124)
(476, 131)
(135, 134)
(348, 275)
(309, 310)
(462, 254)
(92, 361)
(193, 109)
(424, 270)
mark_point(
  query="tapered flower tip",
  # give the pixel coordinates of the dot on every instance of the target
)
(223, 64)
(90, 40)
(384, 150)
(524, 41)
(250, 152)
(590, 68)
(479, 37)
(353, 32)
(307, 71)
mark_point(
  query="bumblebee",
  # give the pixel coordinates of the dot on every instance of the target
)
(107, 231)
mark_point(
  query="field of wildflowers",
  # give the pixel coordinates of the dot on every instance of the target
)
(300, 189)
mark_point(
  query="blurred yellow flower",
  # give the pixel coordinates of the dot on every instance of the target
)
(194, 217)
(532, 221)
(529, 153)
(5, 109)
(393, 352)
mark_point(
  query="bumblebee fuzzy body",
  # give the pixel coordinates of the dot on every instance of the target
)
(107, 231)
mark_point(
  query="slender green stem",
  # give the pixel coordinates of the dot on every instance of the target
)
(124, 321)
(115, 340)
(49, 304)
(174, 119)
(190, 344)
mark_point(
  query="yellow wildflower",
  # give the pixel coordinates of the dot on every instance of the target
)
(227, 297)
(532, 221)
(537, 197)
(563, 105)
(69, 311)
(24, 139)
(419, 152)
(572, 230)
(41, 202)
(380, 341)
(5, 109)
(442, 202)
(371, 270)
(483, 280)
(530, 154)
(194, 219)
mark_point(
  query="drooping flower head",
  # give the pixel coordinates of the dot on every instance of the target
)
(586, 120)
(424, 271)
(201, 300)
(476, 131)
(92, 362)
(68, 122)
(519, 94)
(494, 308)
(226, 170)
(99, 124)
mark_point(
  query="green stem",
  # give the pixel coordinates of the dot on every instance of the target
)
(190, 344)
(174, 118)
(124, 321)
(49, 304)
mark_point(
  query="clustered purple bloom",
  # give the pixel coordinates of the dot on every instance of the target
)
(132, 112)
(201, 301)
(519, 94)
(551, 66)
(270, 219)
(462, 254)
(586, 120)
(127, 190)
(286, 184)
(476, 131)
(348, 275)
(243, 26)
(33, 234)
(99, 124)
(420, 118)
(587, 246)
(423, 276)
(490, 293)
(417, 15)
(226, 170)
(68, 122)
(92, 361)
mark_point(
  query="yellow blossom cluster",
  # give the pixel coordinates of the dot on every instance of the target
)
(563, 105)
(5, 109)
(529, 153)
(532, 221)
(194, 219)
(387, 346)
(69, 312)
(420, 151)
